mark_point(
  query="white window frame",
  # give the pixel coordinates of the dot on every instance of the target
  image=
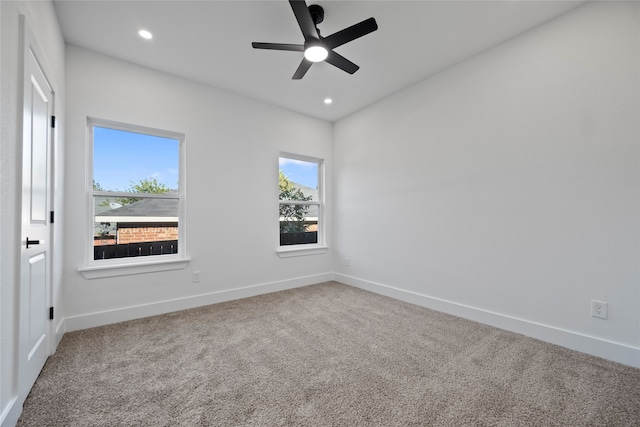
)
(307, 248)
(135, 265)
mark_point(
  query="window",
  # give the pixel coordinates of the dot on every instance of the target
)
(300, 201)
(136, 193)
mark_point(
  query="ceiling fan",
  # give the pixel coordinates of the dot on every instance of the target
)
(317, 48)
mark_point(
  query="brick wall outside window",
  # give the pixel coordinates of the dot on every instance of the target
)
(146, 234)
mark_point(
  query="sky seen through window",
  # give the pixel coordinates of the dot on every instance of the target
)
(122, 158)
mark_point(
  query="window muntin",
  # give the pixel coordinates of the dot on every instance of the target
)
(136, 193)
(300, 200)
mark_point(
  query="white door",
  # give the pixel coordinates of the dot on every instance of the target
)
(35, 329)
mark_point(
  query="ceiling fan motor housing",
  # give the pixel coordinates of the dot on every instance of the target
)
(317, 13)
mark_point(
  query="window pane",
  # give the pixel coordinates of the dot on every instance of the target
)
(129, 161)
(298, 224)
(139, 163)
(298, 180)
(129, 227)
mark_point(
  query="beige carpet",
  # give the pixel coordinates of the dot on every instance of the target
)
(323, 355)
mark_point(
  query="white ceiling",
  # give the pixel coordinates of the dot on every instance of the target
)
(210, 42)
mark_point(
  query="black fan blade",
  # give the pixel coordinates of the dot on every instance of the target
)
(302, 69)
(351, 33)
(341, 62)
(278, 46)
(301, 11)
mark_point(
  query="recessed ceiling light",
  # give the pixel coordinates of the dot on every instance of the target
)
(328, 101)
(145, 34)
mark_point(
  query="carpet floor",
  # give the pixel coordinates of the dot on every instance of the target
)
(323, 355)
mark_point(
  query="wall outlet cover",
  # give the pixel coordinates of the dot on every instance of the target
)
(599, 309)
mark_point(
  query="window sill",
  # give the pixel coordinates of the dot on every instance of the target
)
(100, 271)
(301, 251)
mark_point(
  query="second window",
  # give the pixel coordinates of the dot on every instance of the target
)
(300, 200)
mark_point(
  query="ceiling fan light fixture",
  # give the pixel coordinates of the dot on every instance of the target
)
(316, 53)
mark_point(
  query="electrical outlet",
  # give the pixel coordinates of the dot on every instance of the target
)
(599, 309)
(346, 262)
(196, 277)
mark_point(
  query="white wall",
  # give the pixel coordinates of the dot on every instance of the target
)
(41, 18)
(506, 189)
(232, 147)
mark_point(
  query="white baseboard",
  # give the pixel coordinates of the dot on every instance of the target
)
(11, 414)
(599, 347)
(91, 320)
(616, 352)
(59, 332)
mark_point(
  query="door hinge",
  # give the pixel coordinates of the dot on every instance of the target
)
(50, 313)
(51, 217)
(53, 121)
